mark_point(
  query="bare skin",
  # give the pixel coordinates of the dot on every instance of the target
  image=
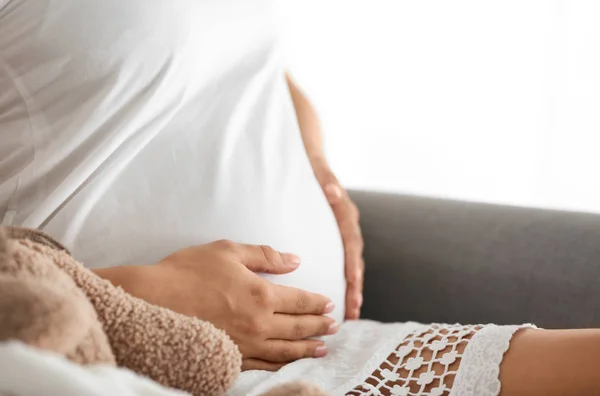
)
(552, 363)
(217, 282)
(345, 211)
(538, 363)
(198, 288)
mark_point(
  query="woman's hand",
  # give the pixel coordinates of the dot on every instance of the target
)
(347, 216)
(217, 282)
(344, 209)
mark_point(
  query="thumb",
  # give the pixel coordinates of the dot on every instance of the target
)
(333, 192)
(265, 259)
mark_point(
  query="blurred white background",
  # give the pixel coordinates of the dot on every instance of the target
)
(494, 101)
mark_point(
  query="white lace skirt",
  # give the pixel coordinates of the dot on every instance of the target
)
(400, 359)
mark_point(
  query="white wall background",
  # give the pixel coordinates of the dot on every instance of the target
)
(475, 99)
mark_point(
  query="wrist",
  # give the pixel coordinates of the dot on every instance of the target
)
(129, 278)
(319, 164)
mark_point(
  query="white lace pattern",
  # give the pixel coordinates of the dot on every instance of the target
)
(480, 372)
(399, 359)
(442, 360)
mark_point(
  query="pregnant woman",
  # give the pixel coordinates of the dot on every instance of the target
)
(163, 143)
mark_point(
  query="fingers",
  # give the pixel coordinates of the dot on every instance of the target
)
(276, 353)
(354, 265)
(354, 297)
(289, 300)
(265, 259)
(284, 351)
(353, 249)
(298, 327)
(347, 216)
(296, 388)
(257, 364)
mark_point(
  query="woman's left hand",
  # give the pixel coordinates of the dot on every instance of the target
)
(347, 216)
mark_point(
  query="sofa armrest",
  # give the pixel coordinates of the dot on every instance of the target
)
(435, 260)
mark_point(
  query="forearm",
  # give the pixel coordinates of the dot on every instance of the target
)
(147, 282)
(129, 278)
(310, 127)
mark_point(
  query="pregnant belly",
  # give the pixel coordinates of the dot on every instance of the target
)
(320, 271)
(144, 230)
(251, 185)
(307, 228)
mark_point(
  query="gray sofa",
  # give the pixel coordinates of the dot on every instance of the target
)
(434, 260)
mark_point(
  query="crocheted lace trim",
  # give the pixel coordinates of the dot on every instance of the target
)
(442, 360)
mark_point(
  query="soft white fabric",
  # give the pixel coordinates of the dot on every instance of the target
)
(131, 129)
(25, 371)
(358, 351)
(480, 367)
(362, 348)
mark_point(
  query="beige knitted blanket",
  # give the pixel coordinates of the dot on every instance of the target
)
(50, 301)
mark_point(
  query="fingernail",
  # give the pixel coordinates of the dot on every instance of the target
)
(333, 329)
(320, 351)
(329, 307)
(291, 259)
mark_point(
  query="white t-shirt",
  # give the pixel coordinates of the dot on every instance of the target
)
(131, 129)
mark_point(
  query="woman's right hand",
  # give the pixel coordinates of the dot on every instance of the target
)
(217, 282)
